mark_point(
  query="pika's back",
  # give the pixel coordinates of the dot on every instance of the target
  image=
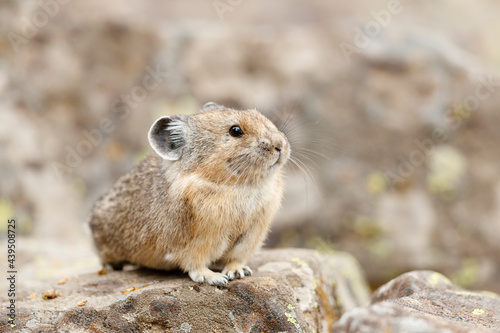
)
(215, 179)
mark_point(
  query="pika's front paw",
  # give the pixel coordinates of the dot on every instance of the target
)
(207, 276)
(236, 271)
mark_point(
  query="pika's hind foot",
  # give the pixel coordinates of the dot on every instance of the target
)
(111, 267)
(207, 276)
(236, 271)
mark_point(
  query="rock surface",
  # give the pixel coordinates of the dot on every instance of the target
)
(424, 301)
(291, 291)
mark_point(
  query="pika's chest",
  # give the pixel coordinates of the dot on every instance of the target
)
(222, 204)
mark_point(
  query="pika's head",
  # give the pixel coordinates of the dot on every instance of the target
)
(222, 145)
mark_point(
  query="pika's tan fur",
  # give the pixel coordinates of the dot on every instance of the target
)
(205, 197)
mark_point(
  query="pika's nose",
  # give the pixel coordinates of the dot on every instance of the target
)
(279, 145)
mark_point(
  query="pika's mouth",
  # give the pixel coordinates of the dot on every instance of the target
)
(277, 160)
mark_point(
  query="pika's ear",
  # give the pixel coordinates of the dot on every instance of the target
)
(167, 136)
(212, 106)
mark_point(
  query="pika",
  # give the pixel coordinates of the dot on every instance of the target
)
(206, 196)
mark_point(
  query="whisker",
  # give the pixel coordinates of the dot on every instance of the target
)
(288, 121)
(309, 159)
(303, 174)
(311, 153)
(308, 174)
(283, 126)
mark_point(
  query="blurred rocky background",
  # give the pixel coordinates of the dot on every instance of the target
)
(393, 108)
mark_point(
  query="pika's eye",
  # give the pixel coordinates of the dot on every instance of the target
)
(236, 131)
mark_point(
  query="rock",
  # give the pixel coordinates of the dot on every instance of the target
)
(424, 301)
(291, 290)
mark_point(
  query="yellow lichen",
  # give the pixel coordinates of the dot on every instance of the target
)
(367, 227)
(436, 278)
(319, 244)
(447, 168)
(461, 111)
(291, 318)
(300, 262)
(478, 312)
(6, 212)
(464, 292)
(468, 273)
(376, 183)
(380, 248)
(490, 294)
